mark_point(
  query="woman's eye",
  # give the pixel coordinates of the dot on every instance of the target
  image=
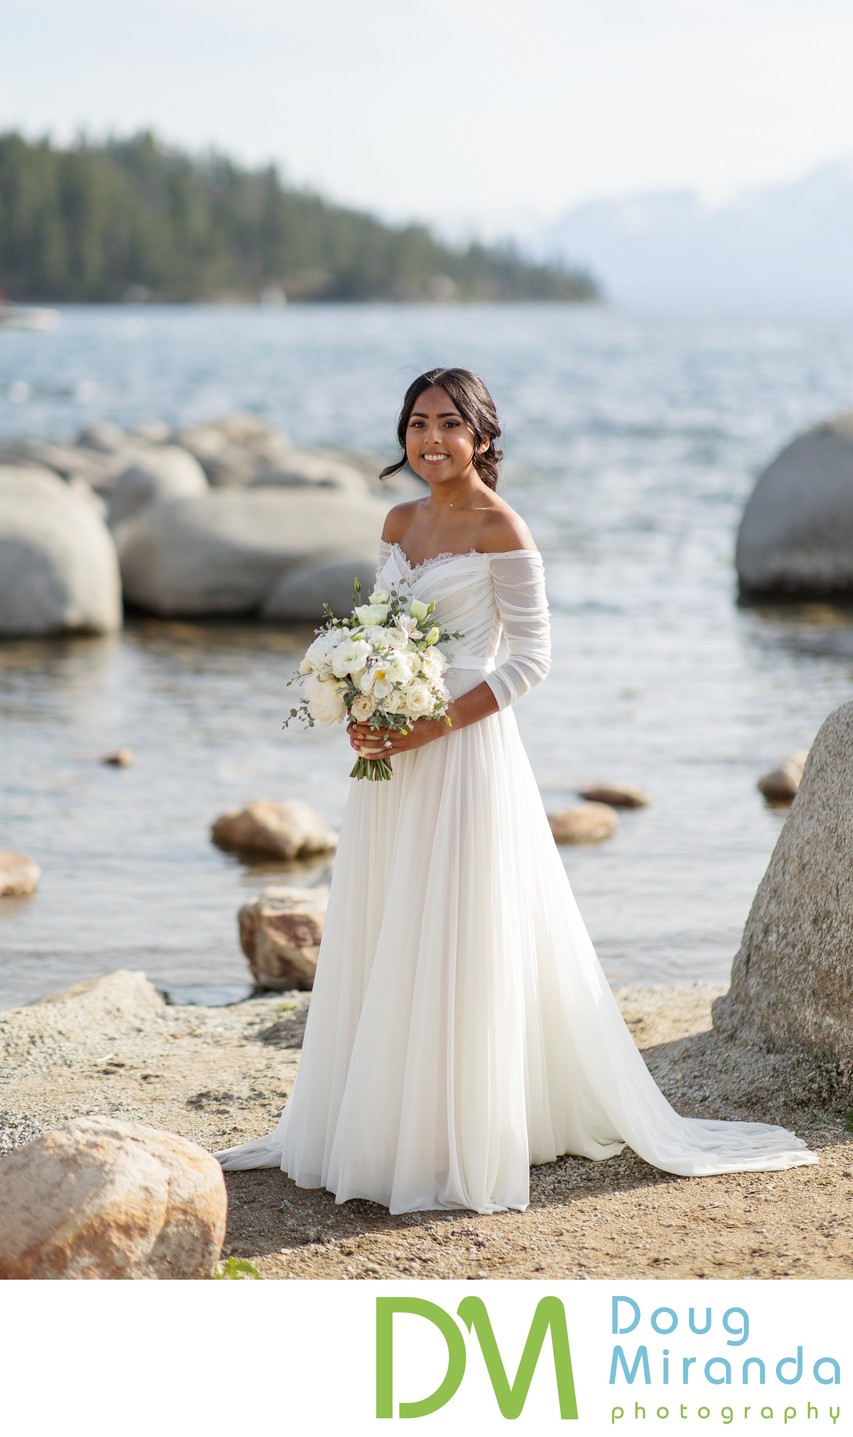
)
(452, 424)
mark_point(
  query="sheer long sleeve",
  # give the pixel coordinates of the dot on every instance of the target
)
(384, 555)
(519, 581)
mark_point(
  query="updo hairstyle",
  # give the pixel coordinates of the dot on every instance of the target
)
(474, 403)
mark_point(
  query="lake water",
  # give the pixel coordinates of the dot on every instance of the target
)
(632, 443)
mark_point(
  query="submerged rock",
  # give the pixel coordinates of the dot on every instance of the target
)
(101, 1198)
(796, 534)
(283, 830)
(585, 823)
(617, 795)
(19, 875)
(792, 978)
(119, 758)
(781, 784)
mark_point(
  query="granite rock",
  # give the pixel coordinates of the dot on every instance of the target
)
(792, 978)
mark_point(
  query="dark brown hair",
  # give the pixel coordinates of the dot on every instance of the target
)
(474, 403)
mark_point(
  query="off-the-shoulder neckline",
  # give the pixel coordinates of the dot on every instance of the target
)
(456, 554)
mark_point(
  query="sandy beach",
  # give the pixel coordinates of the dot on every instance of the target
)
(219, 1076)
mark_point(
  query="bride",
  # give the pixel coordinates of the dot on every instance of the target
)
(460, 1026)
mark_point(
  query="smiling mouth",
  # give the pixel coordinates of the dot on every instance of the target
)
(434, 458)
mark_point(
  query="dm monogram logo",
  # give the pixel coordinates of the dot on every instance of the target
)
(549, 1316)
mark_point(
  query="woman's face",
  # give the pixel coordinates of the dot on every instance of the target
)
(439, 442)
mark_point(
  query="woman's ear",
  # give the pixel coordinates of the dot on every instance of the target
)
(483, 446)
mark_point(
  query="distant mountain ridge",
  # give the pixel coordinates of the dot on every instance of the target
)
(774, 245)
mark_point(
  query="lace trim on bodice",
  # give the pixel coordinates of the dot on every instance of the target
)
(415, 570)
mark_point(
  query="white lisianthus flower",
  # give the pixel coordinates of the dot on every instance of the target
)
(418, 610)
(375, 681)
(350, 657)
(379, 596)
(382, 685)
(371, 613)
(365, 681)
(419, 701)
(432, 637)
(325, 704)
(363, 708)
(399, 668)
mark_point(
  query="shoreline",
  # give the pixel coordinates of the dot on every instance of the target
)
(220, 1075)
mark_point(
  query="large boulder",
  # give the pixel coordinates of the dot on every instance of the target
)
(101, 1198)
(233, 450)
(105, 437)
(304, 589)
(67, 460)
(796, 534)
(280, 933)
(85, 1019)
(792, 978)
(162, 472)
(58, 567)
(223, 552)
(281, 830)
(304, 468)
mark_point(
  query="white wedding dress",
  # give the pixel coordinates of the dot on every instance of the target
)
(460, 1026)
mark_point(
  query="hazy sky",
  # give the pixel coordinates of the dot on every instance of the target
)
(458, 108)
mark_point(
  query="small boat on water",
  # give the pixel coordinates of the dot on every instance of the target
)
(26, 316)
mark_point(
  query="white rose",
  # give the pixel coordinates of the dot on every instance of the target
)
(394, 703)
(432, 665)
(419, 701)
(350, 657)
(371, 613)
(396, 638)
(325, 704)
(363, 708)
(380, 596)
(318, 654)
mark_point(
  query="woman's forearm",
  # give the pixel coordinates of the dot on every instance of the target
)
(469, 708)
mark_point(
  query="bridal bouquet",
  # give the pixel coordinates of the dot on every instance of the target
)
(380, 665)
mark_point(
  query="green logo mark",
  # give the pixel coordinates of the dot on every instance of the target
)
(510, 1396)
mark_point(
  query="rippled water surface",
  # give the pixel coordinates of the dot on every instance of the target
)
(632, 442)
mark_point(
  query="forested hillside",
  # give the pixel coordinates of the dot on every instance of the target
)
(137, 218)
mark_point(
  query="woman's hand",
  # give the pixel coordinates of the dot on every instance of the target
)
(386, 742)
